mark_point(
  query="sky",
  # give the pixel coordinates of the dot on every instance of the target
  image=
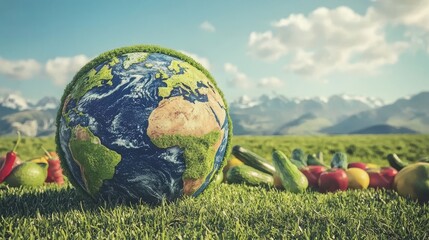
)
(294, 48)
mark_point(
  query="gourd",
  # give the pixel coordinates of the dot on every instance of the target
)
(292, 179)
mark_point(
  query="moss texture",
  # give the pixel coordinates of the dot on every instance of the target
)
(97, 161)
(108, 56)
(181, 80)
(198, 152)
(95, 79)
(134, 58)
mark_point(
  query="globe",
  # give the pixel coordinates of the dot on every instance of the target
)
(142, 123)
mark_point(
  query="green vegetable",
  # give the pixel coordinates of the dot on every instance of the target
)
(339, 160)
(293, 180)
(299, 158)
(395, 161)
(252, 159)
(312, 160)
(250, 176)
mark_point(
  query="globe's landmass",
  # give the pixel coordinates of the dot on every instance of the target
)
(96, 162)
(143, 124)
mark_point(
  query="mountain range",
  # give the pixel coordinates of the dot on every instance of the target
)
(338, 114)
(31, 119)
(265, 115)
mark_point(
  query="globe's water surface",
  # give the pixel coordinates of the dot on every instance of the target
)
(143, 126)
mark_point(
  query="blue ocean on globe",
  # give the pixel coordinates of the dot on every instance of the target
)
(119, 108)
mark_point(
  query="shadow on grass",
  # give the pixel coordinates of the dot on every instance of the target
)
(50, 200)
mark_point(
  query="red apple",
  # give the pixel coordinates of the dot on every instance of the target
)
(360, 165)
(334, 179)
(312, 173)
(381, 177)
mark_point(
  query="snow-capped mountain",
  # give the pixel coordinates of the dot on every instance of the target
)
(47, 103)
(337, 114)
(410, 112)
(370, 101)
(31, 119)
(278, 114)
(248, 102)
(14, 101)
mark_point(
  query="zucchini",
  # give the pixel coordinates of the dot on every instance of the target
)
(395, 161)
(339, 160)
(252, 159)
(299, 158)
(312, 160)
(293, 180)
(243, 174)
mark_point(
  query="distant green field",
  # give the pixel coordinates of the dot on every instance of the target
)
(366, 148)
(228, 211)
(28, 148)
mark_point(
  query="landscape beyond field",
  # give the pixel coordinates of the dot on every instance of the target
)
(229, 211)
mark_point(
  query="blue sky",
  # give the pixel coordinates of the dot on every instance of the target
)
(295, 48)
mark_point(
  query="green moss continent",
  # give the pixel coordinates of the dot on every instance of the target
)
(97, 162)
(133, 58)
(91, 80)
(199, 152)
(185, 80)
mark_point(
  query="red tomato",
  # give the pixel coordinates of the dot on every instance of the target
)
(381, 177)
(334, 179)
(313, 173)
(360, 165)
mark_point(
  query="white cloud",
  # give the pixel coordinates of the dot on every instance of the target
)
(327, 41)
(414, 13)
(62, 69)
(8, 91)
(19, 69)
(265, 46)
(207, 26)
(202, 60)
(238, 78)
(270, 82)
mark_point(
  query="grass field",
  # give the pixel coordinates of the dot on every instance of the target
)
(228, 211)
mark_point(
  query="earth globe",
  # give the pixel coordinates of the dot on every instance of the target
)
(143, 123)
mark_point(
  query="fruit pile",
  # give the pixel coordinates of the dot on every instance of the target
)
(31, 173)
(302, 172)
